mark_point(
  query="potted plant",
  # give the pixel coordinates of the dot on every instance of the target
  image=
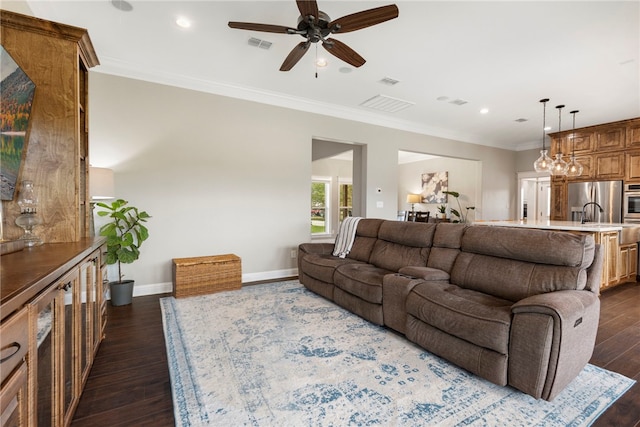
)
(125, 234)
(462, 217)
(442, 209)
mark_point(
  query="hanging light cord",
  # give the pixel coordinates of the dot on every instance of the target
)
(544, 119)
(573, 136)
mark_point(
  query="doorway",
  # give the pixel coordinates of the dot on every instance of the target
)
(534, 196)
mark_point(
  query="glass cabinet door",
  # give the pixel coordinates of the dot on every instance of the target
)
(69, 363)
(47, 344)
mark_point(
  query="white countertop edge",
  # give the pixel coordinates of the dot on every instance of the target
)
(558, 225)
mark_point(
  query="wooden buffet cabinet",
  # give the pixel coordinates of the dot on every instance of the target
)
(53, 310)
(52, 301)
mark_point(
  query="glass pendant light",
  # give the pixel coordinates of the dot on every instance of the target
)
(559, 166)
(573, 168)
(543, 163)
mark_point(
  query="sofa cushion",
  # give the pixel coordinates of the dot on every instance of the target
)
(322, 267)
(446, 245)
(361, 280)
(402, 243)
(530, 245)
(366, 236)
(513, 280)
(478, 318)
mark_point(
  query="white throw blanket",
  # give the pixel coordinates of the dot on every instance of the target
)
(346, 236)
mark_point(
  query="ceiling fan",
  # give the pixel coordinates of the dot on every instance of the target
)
(315, 25)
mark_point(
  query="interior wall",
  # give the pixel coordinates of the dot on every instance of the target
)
(464, 177)
(222, 175)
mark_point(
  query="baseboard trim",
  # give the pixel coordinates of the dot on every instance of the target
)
(167, 287)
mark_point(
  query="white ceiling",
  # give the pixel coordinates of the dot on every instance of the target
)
(504, 56)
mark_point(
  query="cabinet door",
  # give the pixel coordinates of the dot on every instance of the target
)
(632, 170)
(558, 199)
(88, 292)
(71, 345)
(633, 134)
(609, 166)
(611, 138)
(47, 346)
(610, 241)
(14, 410)
(14, 353)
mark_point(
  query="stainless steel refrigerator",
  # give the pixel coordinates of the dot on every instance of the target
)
(607, 194)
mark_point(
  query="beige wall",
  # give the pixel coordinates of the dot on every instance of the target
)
(222, 175)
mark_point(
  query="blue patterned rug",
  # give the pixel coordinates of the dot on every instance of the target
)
(279, 355)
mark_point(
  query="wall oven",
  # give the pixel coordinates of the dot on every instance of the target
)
(631, 207)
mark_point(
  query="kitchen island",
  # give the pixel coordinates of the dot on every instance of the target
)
(619, 244)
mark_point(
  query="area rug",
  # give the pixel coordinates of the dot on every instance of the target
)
(279, 355)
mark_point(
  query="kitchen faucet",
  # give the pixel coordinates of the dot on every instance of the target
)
(584, 219)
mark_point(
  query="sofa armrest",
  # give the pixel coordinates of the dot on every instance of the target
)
(426, 273)
(551, 340)
(315, 248)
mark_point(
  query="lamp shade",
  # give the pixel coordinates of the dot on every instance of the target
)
(414, 198)
(101, 184)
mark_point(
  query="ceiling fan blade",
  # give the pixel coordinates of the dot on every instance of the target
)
(295, 55)
(364, 19)
(266, 28)
(344, 52)
(308, 7)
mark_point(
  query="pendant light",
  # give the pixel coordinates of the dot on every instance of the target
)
(559, 166)
(574, 168)
(543, 163)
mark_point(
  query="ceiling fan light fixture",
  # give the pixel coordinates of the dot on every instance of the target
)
(321, 62)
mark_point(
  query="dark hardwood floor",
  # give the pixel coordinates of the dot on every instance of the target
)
(129, 383)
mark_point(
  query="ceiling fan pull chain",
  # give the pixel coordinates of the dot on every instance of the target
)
(316, 63)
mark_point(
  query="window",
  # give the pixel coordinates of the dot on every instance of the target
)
(320, 192)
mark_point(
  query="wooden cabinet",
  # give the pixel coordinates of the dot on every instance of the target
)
(628, 262)
(57, 292)
(14, 353)
(609, 166)
(57, 58)
(610, 137)
(580, 142)
(609, 241)
(633, 135)
(632, 166)
(558, 199)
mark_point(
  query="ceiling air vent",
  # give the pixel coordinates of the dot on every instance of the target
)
(458, 102)
(521, 120)
(262, 44)
(389, 81)
(386, 104)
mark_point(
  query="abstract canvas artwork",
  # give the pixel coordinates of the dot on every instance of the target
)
(433, 186)
(16, 97)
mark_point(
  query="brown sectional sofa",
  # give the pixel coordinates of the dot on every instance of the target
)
(518, 307)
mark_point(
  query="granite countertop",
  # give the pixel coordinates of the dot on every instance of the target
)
(560, 225)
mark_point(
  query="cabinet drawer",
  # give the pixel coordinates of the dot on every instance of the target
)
(15, 342)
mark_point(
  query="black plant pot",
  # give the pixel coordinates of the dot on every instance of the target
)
(121, 292)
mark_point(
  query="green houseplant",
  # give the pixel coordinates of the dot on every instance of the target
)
(442, 209)
(125, 234)
(459, 213)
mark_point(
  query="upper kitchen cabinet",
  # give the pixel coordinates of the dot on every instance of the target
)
(56, 58)
(610, 137)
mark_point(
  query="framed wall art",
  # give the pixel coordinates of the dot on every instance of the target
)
(433, 186)
(16, 97)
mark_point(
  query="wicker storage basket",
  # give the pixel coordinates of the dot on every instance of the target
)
(205, 275)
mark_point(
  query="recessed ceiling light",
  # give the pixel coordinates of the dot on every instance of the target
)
(345, 70)
(547, 128)
(442, 98)
(122, 5)
(183, 22)
(484, 110)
